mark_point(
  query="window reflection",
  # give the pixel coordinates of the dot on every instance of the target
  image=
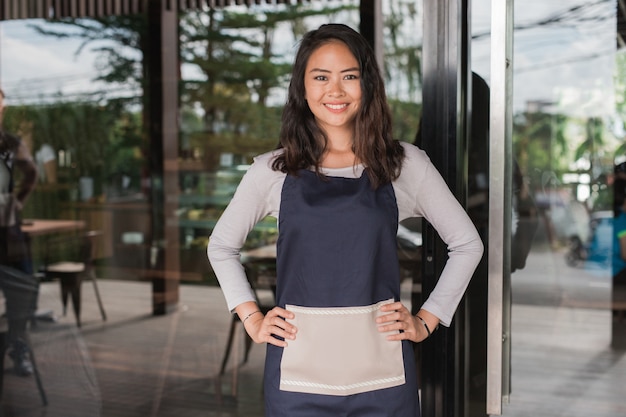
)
(81, 110)
(568, 134)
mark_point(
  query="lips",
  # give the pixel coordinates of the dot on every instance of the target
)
(336, 106)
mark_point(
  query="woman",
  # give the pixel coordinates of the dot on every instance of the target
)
(339, 340)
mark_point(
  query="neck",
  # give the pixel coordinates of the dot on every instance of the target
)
(339, 156)
(339, 153)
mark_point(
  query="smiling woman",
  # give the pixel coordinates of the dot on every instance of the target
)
(333, 91)
(339, 184)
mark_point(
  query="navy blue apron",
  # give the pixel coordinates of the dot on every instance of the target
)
(337, 248)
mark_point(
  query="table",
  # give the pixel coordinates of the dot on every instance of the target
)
(39, 227)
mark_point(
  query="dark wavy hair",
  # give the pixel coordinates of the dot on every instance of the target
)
(304, 142)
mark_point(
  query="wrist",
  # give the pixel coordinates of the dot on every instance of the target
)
(428, 328)
(243, 321)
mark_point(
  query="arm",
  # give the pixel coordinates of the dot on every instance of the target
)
(422, 192)
(247, 207)
(257, 196)
(24, 162)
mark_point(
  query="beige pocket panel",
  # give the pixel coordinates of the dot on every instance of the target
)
(339, 351)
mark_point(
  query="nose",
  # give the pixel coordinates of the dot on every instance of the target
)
(335, 89)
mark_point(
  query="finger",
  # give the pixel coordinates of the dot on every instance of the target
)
(285, 334)
(390, 317)
(399, 336)
(391, 306)
(280, 323)
(275, 335)
(393, 326)
(276, 342)
(281, 312)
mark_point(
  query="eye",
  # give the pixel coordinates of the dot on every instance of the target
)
(351, 77)
(320, 78)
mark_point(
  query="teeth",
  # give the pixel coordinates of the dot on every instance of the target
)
(336, 106)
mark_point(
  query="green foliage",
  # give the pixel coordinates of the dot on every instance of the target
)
(98, 139)
(403, 55)
(539, 146)
(406, 119)
(224, 108)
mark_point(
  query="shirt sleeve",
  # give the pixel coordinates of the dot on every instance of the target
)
(24, 162)
(422, 192)
(256, 197)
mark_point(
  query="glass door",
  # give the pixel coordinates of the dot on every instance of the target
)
(559, 169)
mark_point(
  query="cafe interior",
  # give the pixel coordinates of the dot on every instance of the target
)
(130, 319)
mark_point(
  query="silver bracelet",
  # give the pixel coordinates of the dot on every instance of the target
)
(248, 316)
(425, 325)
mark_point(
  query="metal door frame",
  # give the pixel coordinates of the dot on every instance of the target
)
(445, 128)
(500, 165)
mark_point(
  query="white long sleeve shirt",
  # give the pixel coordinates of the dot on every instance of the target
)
(420, 192)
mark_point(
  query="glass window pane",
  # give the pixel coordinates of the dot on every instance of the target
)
(78, 95)
(567, 327)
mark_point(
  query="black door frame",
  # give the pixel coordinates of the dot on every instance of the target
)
(445, 130)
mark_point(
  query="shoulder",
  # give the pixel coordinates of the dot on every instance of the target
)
(261, 172)
(418, 179)
(262, 164)
(413, 153)
(416, 162)
(267, 158)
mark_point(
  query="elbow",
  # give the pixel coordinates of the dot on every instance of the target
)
(480, 250)
(475, 246)
(472, 248)
(212, 251)
(217, 251)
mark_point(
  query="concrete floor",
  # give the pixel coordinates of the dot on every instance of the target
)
(135, 364)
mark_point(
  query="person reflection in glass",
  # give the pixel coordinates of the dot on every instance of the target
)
(17, 281)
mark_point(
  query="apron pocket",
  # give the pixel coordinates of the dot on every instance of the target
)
(339, 351)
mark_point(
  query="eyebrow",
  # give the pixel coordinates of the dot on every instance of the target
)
(328, 71)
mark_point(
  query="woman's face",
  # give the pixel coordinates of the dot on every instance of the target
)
(332, 83)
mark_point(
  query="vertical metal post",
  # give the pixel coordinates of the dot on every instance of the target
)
(371, 27)
(445, 68)
(500, 164)
(162, 125)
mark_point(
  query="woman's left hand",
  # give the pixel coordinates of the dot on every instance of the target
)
(400, 318)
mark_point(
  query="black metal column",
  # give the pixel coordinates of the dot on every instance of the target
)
(367, 20)
(444, 133)
(371, 26)
(162, 127)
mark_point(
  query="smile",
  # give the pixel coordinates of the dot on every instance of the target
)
(336, 106)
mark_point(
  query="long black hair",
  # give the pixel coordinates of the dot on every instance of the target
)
(304, 142)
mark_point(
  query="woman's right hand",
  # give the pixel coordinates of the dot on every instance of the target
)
(263, 329)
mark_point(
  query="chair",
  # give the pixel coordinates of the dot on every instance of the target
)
(71, 272)
(20, 295)
(260, 276)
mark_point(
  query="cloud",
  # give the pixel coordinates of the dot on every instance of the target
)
(33, 66)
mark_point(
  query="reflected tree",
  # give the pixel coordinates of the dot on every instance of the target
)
(539, 145)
